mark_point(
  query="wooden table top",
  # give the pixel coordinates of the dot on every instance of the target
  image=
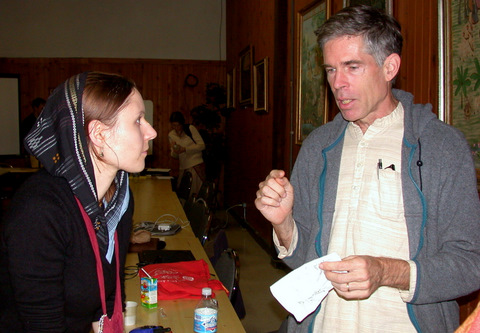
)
(153, 198)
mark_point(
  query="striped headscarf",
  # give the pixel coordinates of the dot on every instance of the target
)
(59, 142)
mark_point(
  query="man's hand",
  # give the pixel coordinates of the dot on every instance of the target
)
(358, 277)
(275, 202)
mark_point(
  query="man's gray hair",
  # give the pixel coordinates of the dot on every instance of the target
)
(381, 32)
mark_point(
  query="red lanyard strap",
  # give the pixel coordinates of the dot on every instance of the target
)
(101, 280)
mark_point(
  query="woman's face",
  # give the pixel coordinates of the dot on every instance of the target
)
(127, 143)
(177, 127)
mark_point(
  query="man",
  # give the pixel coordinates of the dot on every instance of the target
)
(387, 186)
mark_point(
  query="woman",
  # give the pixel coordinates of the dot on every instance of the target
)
(91, 133)
(187, 145)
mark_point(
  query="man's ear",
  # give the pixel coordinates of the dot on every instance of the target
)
(391, 66)
(96, 133)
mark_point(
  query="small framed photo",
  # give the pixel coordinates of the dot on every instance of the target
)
(384, 5)
(231, 88)
(260, 84)
(245, 76)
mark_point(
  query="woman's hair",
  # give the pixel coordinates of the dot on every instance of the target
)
(381, 32)
(104, 96)
(177, 117)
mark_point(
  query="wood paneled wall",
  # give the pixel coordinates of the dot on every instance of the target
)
(161, 81)
(251, 141)
(419, 68)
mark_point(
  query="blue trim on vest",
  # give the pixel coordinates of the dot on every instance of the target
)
(321, 196)
(420, 194)
(410, 311)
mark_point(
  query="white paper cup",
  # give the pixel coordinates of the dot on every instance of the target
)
(130, 313)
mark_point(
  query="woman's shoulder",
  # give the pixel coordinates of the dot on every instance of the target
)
(44, 189)
(42, 197)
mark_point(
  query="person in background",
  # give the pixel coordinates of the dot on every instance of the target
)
(187, 145)
(387, 186)
(27, 123)
(90, 135)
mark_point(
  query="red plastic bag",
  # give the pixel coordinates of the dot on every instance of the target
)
(184, 279)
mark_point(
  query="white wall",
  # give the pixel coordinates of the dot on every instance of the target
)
(155, 29)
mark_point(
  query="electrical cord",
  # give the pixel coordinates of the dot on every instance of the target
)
(171, 219)
(166, 220)
(237, 205)
(131, 272)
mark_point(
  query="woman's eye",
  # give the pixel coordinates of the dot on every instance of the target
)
(139, 120)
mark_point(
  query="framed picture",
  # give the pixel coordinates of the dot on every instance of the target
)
(245, 76)
(260, 86)
(385, 5)
(310, 83)
(459, 83)
(231, 88)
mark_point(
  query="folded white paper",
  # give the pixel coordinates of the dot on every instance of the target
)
(302, 290)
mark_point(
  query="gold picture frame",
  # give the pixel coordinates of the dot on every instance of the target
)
(311, 102)
(385, 5)
(245, 76)
(260, 86)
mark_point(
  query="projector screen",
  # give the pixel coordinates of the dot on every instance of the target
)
(9, 115)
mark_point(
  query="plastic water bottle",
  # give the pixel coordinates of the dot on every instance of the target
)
(205, 316)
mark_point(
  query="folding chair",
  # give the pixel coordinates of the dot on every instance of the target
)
(185, 186)
(227, 268)
(200, 219)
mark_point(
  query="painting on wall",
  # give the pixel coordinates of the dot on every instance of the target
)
(245, 76)
(260, 84)
(310, 81)
(384, 5)
(460, 70)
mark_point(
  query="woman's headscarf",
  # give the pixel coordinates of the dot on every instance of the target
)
(59, 142)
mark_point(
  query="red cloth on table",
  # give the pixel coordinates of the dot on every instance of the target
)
(184, 279)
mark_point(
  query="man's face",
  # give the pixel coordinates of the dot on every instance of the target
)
(361, 87)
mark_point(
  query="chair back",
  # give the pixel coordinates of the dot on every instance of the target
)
(188, 205)
(208, 193)
(200, 219)
(220, 244)
(227, 270)
(185, 186)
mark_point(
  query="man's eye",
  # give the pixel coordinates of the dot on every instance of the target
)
(356, 69)
(329, 70)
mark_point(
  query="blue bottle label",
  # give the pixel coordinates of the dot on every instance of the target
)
(205, 320)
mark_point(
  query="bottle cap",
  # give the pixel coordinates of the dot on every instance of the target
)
(206, 291)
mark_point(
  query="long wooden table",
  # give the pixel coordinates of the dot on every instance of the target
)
(153, 198)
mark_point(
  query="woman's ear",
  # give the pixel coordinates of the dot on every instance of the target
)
(96, 134)
(392, 66)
